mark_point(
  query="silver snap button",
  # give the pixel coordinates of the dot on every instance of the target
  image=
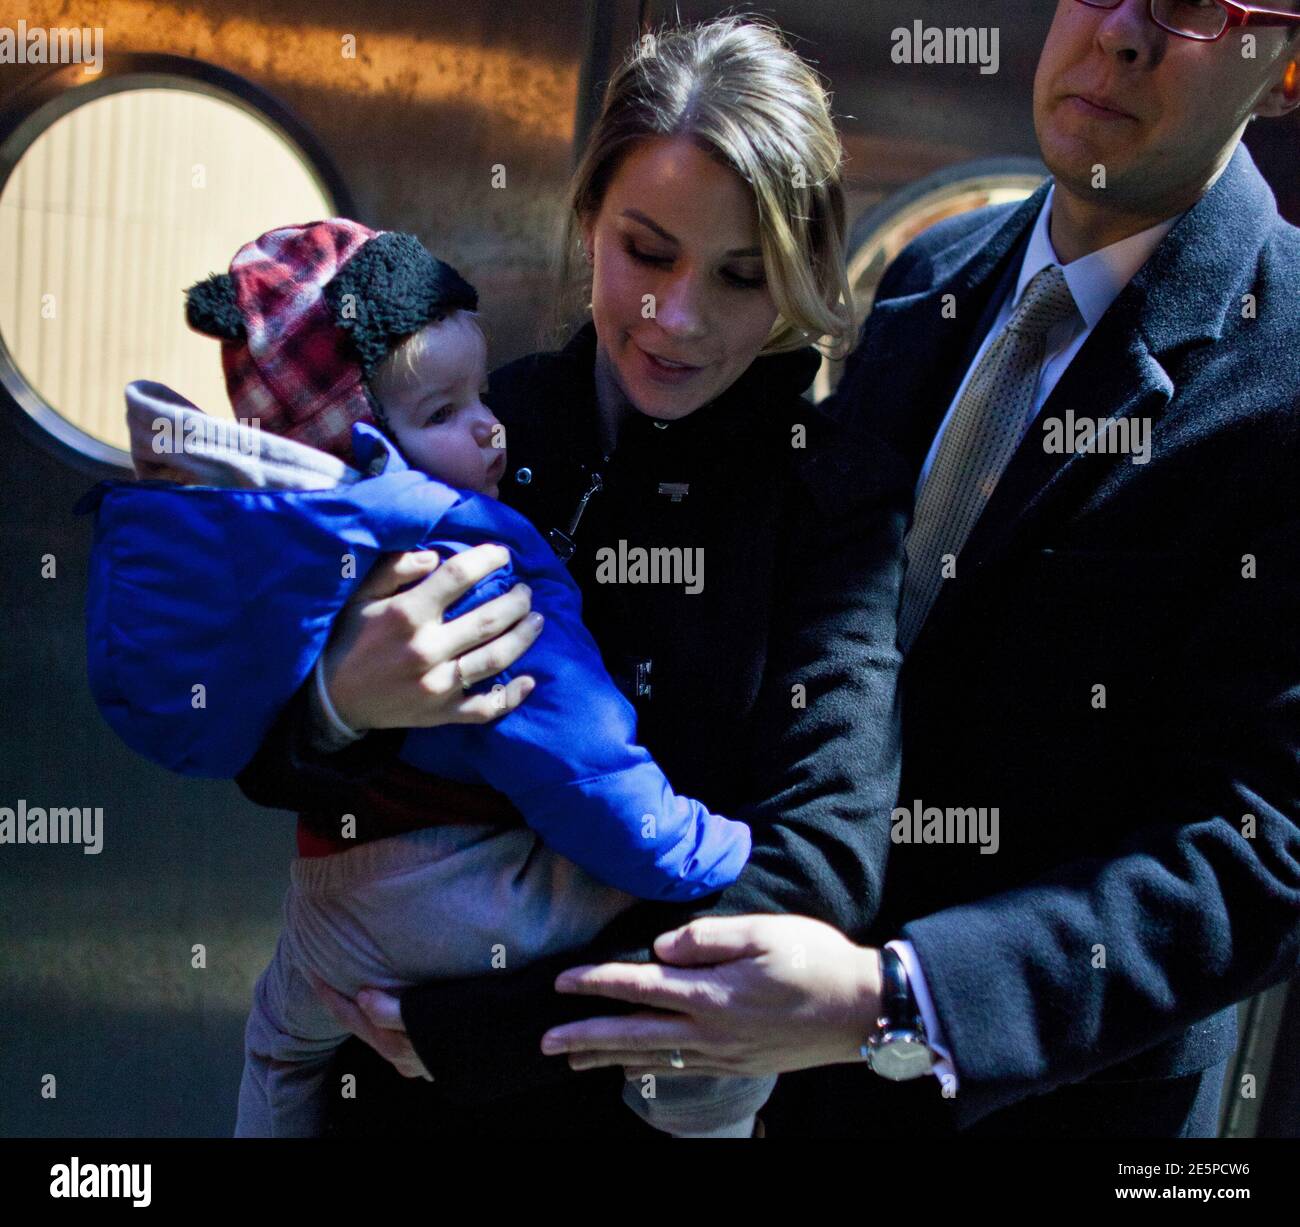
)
(523, 476)
(661, 425)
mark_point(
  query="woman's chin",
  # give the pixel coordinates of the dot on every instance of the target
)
(666, 404)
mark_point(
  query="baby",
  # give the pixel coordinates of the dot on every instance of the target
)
(223, 579)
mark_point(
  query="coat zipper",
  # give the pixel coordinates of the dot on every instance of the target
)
(638, 669)
(562, 542)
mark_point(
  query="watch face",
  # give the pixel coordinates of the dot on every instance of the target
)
(901, 1055)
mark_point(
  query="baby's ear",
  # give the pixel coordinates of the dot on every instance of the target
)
(210, 308)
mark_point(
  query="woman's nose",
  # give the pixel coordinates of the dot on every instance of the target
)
(681, 310)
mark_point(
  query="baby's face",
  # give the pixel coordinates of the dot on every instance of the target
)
(435, 410)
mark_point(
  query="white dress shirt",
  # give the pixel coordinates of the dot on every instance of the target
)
(1095, 281)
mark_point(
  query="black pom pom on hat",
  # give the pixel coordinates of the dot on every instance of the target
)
(390, 289)
(210, 308)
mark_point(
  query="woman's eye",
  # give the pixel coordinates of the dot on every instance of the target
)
(645, 257)
(745, 283)
(731, 278)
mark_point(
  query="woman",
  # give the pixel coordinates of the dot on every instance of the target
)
(710, 209)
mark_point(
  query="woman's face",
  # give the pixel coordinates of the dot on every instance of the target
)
(679, 297)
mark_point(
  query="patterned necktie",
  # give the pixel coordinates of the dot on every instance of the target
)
(981, 437)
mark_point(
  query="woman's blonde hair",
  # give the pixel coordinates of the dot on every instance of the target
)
(737, 89)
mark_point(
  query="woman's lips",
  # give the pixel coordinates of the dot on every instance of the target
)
(664, 370)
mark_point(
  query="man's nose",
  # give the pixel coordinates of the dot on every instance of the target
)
(1128, 33)
(681, 309)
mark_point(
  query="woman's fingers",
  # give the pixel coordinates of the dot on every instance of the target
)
(455, 577)
(497, 702)
(349, 1014)
(393, 662)
(479, 663)
(383, 1009)
(628, 1033)
(394, 572)
(393, 1045)
(491, 637)
(344, 1009)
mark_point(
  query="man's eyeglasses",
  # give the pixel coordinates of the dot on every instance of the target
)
(1206, 20)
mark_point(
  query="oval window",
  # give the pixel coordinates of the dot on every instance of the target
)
(109, 213)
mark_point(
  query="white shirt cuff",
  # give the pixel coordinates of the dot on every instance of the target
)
(944, 1069)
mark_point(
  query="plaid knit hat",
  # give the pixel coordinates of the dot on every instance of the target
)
(307, 313)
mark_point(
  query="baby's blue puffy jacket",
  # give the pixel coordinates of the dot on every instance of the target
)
(208, 607)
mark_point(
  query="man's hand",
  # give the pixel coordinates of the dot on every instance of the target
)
(749, 995)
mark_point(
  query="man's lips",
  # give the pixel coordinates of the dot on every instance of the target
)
(1095, 104)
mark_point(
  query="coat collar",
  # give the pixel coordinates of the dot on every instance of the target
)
(1182, 295)
(1194, 280)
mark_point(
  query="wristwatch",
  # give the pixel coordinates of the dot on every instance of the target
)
(897, 1049)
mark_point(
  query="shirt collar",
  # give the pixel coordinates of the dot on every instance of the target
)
(1096, 279)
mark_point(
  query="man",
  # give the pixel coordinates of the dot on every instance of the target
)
(1096, 850)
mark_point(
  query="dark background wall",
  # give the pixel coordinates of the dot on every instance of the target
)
(96, 983)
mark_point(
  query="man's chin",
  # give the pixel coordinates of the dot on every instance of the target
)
(1075, 163)
(1074, 145)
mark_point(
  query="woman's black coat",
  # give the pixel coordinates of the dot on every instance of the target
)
(770, 694)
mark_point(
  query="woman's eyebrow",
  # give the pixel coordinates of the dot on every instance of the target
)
(637, 216)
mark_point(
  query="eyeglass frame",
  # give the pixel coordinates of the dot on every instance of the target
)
(1239, 16)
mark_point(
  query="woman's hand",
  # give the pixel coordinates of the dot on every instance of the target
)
(376, 1017)
(750, 995)
(391, 662)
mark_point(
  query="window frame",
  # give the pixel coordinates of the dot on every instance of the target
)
(25, 117)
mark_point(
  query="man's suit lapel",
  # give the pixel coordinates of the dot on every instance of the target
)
(920, 350)
(1181, 296)
(1113, 375)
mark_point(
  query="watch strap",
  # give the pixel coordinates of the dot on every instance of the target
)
(897, 1003)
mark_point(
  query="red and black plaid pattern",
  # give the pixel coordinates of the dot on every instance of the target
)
(295, 372)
